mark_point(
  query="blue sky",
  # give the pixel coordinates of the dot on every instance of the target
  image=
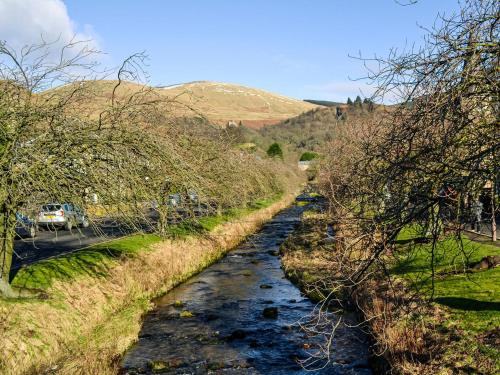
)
(297, 48)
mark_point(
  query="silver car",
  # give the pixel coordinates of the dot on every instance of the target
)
(64, 215)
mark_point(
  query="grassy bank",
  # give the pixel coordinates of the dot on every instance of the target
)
(447, 326)
(92, 300)
(466, 301)
(308, 260)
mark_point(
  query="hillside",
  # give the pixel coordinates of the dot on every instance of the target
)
(313, 130)
(224, 102)
(219, 102)
(309, 131)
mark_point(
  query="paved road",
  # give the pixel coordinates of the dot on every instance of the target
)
(50, 243)
(485, 228)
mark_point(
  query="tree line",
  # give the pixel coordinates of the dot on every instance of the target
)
(425, 161)
(67, 135)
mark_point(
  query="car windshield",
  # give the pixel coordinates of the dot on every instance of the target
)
(51, 207)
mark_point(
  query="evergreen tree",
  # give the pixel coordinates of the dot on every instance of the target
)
(357, 101)
(275, 151)
(349, 101)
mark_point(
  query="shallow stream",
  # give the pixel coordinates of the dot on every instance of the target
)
(229, 332)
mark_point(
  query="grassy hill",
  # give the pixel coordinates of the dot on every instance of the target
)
(218, 102)
(299, 126)
(224, 102)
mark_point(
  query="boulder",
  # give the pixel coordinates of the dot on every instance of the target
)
(238, 334)
(487, 262)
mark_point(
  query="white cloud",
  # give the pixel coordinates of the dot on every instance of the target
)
(26, 22)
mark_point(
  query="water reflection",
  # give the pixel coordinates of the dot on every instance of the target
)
(216, 323)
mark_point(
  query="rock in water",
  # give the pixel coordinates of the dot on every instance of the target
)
(238, 334)
(270, 312)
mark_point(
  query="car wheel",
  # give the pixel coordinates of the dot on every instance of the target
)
(68, 225)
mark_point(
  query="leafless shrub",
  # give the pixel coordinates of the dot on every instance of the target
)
(422, 163)
(66, 135)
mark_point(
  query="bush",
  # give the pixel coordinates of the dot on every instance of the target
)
(308, 156)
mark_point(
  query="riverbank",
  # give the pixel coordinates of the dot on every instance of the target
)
(242, 316)
(456, 333)
(308, 260)
(91, 303)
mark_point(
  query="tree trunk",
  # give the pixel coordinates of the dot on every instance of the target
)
(162, 219)
(7, 234)
(493, 212)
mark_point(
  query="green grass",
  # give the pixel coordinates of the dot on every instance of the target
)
(96, 260)
(472, 297)
(210, 222)
(184, 229)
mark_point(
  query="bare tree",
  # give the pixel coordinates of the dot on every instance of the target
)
(425, 160)
(50, 152)
(66, 135)
(435, 151)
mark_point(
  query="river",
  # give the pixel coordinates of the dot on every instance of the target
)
(241, 316)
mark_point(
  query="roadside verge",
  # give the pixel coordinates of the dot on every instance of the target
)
(95, 300)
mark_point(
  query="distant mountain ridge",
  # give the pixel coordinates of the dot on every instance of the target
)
(225, 102)
(221, 103)
(325, 103)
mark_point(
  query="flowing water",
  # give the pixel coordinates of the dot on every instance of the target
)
(228, 332)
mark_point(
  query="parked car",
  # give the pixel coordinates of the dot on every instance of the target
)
(64, 215)
(25, 227)
(174, 200)
(193, 197)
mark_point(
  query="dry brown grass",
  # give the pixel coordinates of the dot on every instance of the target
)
(88, 322)
(217, 101)
(406, 339)
(308, 260)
